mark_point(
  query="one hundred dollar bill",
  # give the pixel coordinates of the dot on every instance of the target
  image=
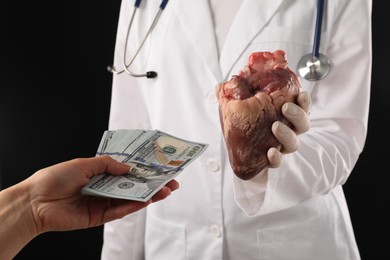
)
(154, 158)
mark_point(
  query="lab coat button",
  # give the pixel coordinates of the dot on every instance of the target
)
(212, 165)
(216, 230)
(212, 97)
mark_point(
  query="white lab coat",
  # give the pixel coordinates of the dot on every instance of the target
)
(301, 212)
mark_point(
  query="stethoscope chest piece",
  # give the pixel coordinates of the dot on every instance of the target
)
(314, 68)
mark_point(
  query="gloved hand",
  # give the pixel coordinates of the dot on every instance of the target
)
(298, 115)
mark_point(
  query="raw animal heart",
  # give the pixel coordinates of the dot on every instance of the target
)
(249, 103)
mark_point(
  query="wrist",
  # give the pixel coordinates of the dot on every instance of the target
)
(18, 225)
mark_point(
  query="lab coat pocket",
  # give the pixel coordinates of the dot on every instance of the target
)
(310, 239)
(165, 239)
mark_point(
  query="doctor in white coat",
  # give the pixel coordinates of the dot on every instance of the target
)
(295, 211)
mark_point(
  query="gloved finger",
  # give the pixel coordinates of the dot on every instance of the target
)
(275, 157)
(304, 101)
(286, 136)
(297, 116)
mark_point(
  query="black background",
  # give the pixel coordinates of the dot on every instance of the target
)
(54, 105)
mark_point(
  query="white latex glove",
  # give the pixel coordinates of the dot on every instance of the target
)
(298, 115)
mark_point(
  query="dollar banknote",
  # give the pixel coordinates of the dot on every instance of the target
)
(154, 158)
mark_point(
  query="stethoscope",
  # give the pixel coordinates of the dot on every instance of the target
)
(148, 74)
(313, 66)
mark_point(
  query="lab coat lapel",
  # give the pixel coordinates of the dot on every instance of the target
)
(195, 16)
(251, 18)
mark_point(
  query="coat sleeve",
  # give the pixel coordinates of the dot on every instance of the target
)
(339, 119)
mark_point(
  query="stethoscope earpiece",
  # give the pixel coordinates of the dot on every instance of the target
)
(111, 69)
(151, 74)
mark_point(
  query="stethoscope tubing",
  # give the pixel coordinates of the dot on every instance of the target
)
(313, 67)
(126, 65)
(317, 32)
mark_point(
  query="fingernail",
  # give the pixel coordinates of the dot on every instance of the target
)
(290, 109)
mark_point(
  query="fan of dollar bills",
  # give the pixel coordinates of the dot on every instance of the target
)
(154, 158)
